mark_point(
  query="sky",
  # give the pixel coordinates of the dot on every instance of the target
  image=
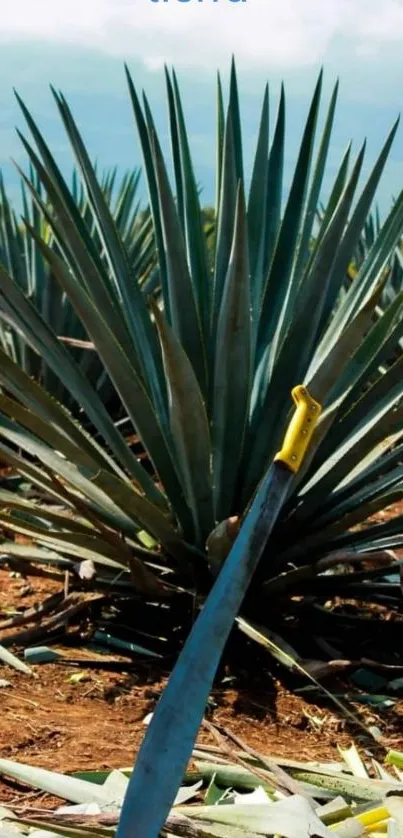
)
(80, 47)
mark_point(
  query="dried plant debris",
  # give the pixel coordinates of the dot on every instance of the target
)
(225, 799)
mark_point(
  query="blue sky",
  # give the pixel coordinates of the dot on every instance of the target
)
(80, 45)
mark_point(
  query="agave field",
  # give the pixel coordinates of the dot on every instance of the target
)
(148, 360)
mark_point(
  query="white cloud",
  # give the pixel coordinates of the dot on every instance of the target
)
(200, 33)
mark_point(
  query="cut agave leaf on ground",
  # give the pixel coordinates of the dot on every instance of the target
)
(381, 701)
(187, 792)
(228, 776)
(394, 806)
(115, 787)
(60, 785)
(9, 659)
(256, 797)
(41, 654)
(109, 640)
(214, 793)
(334, 811)
(353, 761)
(352, 788)
(98, 777)
(235, 776)
(79, 809)
(290, 818)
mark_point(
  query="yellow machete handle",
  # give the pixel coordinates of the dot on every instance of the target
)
(300, 430)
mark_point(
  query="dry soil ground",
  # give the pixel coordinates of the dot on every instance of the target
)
(64, 724)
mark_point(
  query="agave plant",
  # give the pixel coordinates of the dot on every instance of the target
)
(393, 270)
(204, 369)
(394, 279)
(25, 262)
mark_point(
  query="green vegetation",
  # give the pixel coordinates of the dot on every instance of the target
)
(201, 361)
(146, 363)
(24, 261)
(257, 795)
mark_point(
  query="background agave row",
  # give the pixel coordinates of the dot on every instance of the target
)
(197, 344)
(21, 256)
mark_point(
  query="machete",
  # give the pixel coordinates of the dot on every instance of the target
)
(171, 734)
